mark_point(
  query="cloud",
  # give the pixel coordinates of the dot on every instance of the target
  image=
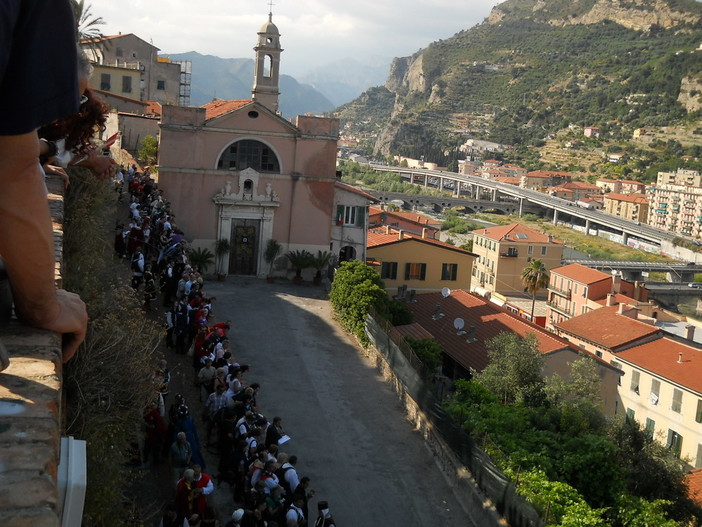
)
(312, 31)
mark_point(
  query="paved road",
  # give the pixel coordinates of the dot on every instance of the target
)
(347, 426)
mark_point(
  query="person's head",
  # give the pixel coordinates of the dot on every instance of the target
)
(323, 508)
(305, 482)
(182, 438)
(276, 491)
(269, 466)
(188, 474)
(292, 460)
(298, 500)
(197, 471)
(237, 515)
(277, 421)
(220, 389)
(208, 362)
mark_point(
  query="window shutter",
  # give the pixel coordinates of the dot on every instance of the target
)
(423, 273)
(407, 271)
(360, 216)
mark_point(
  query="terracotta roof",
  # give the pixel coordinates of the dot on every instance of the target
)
(378, 237)
(110, 94)
(632, 182)
(661, 357)
(581, 273)
(606, 328)
(508, 180)
(489, 321)
(415, 331)
(631, 198)
(546, 174)
(499, 232)
(350, 188)
(220, 107)
(408, 216)
(693, 480)
(577, 185)
(607, 180)
(153, 107)
(618, 298)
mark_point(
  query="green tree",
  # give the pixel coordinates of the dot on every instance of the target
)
(357, 287)
(86, 23)
(148, 149)
(534, 277)
(514, 373)
(429, 351)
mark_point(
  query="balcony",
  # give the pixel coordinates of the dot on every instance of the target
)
(510, 254)
(558, 309)
(560, 292)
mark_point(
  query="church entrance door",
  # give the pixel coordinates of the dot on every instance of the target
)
(244, 254)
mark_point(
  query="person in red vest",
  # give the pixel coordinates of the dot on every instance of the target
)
(202, 487)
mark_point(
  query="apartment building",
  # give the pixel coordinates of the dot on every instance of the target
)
(128, 66)
(576, 289)
(502, 253)
(418, 262)
(574, 190)
(632, 207)
(544, 179)
(404, 220)
(675, 206)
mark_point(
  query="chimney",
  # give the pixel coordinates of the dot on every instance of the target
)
(387, 229)
(382, 205)
(690, 332)
(471, 334)
(424, 232)
(620, 311)
(550, 238)
(610, 300)
(399, 234)
(680, 361)
(419, 219)
(616, 283)
(637, 290)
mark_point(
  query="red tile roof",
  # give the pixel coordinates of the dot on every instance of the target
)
(408, 216)
(498, 233)
(378, 237)
(110, 94)
(693, 480)
(581, 273)
(618, 298)
(606, 328)
(414, 330)
(577, 185)
(355, 190)
(508, 180)
(546, 174)
(632, 198)
(489, 320)
(220, 107)
(661, 357)
(153, 107)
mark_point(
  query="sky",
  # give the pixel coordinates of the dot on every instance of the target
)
(313, 32)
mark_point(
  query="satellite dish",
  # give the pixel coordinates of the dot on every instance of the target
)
(446, 292)
(459, 323)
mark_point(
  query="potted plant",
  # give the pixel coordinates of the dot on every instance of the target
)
(201, 258)
(222, 247)
(319, 262)
(273, 249)
(300, 259)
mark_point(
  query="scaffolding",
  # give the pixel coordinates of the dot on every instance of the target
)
(186, 68)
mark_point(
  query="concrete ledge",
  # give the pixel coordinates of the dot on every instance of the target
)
(30, 410)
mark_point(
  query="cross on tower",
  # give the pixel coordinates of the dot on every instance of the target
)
(270, 10)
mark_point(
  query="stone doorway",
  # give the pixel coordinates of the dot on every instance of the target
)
(243, 258)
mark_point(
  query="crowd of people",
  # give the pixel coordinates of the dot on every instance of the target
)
(263, 479)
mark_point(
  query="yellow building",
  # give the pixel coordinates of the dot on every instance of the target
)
(502, 254)
(632, 207)
(420, 263)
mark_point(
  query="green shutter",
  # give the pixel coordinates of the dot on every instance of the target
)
(407, 271)
(360, 216)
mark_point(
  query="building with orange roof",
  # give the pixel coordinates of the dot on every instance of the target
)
(129, 66)
(504, 251)
(693, 481)
(662, 389)
(463, 323)
(544, 179)
(237, 170)
(404, 220)
(575, 289)
(630, 186)
(420, 263)
(632, 207)
(574, 190)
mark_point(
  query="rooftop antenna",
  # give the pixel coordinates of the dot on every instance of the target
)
(437, 312)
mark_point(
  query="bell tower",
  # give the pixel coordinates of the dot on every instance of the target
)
(267, 68)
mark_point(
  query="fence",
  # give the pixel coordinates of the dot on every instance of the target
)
(420, 384)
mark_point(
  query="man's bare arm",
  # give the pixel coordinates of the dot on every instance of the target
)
(27, 245)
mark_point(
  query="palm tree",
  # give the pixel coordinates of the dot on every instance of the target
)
(86, 22)
(534, 277)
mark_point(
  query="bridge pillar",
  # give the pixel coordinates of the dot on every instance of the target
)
(441, 183)
(587, 226)
(477, 192)
(521, 206)
(625, 238)
(555, 217)
(426, 181)
(494, 194)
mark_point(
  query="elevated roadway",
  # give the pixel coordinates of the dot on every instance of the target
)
(476, 187)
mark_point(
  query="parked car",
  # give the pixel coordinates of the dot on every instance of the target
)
(695, 285)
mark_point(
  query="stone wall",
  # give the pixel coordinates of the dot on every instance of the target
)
(30, 410)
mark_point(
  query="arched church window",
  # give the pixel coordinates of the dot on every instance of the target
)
(267, 65)
(249, 153)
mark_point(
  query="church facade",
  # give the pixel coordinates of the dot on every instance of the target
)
(237, 170)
